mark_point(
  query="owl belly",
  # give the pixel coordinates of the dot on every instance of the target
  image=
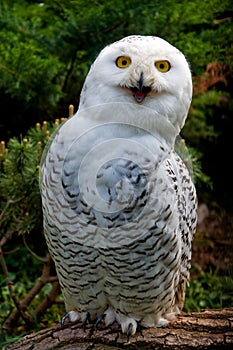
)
(131, 266)
(142, 278)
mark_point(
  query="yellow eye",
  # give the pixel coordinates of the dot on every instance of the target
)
(123, 61)
(163, 66)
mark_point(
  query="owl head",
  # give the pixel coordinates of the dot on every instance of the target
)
(141, 70)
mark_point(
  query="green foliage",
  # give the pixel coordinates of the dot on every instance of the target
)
(26, 67)
(21, 214)
(19, 191)
(24, 279)
(21, 288)
(192, 159)
(19, 188)
(199, 125)
(209, 291)
(44, 61)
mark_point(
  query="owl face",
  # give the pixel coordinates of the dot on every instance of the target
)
(142, 70)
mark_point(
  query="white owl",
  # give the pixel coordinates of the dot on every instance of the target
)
(119, 205)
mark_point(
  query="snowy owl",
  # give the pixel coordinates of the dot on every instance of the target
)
(119, 204)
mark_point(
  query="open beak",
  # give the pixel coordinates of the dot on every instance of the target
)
(140, 91)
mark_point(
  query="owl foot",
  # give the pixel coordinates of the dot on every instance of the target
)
(162, 323)
(110, 316)
(128, 325)
(72, 315)
(99, 319)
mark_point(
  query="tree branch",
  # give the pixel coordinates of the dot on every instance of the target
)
(23, 304)
(20, 310)
(37, 257)
(48, 301)
(211, 329)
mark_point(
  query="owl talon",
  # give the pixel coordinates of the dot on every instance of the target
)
(72, 315)
(64, 318)
(85, 321)
(99, 319)
(129, 331)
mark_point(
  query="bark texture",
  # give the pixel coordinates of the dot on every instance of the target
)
(210, 329)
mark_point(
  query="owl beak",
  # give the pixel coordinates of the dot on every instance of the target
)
(140, 92)
(139, 95)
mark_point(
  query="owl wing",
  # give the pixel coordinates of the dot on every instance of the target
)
(187, 209)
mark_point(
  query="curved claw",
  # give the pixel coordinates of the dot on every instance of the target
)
(129, 331)
(64, 318)
(99, 319)
(85, 320)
